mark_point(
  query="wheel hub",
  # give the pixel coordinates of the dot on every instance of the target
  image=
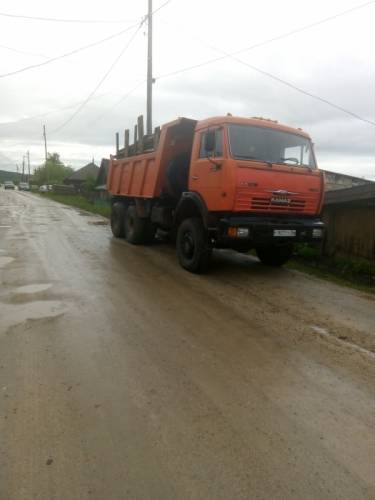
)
(188, 245)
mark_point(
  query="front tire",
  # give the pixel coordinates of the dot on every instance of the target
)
(117, 219)
(275, 255)
(192, 247)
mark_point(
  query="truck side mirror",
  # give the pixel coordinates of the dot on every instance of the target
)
(209, 141)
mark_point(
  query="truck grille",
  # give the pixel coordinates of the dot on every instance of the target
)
(268, 204)
(251, 201)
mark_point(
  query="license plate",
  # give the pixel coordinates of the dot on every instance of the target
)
(284, 232)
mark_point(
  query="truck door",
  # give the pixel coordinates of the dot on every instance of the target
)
(206, 174)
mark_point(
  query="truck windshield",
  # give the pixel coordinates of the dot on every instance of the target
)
(248, 142)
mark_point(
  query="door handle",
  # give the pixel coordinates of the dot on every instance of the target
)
(195, 177)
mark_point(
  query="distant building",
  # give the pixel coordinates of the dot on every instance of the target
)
(101, 181)
(81, 176)
(336, 180)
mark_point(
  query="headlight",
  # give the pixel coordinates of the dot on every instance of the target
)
(238, 232)
(242, 232)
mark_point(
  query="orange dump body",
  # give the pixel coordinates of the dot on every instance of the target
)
(143, 175)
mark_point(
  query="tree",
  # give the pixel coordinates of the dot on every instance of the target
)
(90, 183)
(53, 171)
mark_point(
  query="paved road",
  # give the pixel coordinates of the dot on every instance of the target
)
(124, 377)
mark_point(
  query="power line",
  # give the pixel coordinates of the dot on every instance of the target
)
(265, 42)
(41, 115)
(269, 75)
(306, 27)
(70, 106)
(232, 55)
(75, 51)
(19, 51)
(110, 69)
(161, 6)
(59, 20)
(125, 96)
(78, 21)
(122, 99)
(309, 94)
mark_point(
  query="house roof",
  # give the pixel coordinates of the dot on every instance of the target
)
(346, 176)
(363, 195)
(89, 170)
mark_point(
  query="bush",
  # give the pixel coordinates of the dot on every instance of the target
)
(338, 264)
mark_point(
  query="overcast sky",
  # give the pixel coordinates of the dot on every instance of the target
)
(334, 60)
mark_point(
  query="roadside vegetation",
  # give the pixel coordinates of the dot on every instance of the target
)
(359, 274)
(53, 171)
(79, 202)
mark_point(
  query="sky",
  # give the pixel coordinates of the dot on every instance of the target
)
(85, 98)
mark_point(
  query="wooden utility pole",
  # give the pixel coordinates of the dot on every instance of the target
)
(45, 142)
(45, 151)
(149, 70)
(23, 168)
(28, 166)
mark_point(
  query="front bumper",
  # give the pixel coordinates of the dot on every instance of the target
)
(266, 230)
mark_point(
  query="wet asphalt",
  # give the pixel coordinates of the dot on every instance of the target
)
(124, 377)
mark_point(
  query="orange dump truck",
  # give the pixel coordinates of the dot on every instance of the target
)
(224, 182)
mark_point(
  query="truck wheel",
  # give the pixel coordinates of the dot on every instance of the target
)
(138, 231)
(192, 249)
(118, 219)
(275, 255)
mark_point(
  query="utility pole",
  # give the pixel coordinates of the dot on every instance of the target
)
(45, 151)
(23, 168)
(149, 70)
(45, 142)
(28, 165)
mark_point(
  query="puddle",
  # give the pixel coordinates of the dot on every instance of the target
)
(12, 315)
(33, 288)
(4, 261)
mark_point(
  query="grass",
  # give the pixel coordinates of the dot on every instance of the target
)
(329, 276)
(358, 274)
(78, 202)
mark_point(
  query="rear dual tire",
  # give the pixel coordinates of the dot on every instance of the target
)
(125, 223)
(117, 219)
(138, 231)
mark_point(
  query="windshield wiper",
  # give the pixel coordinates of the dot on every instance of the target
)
(295, 160)
(245, 157)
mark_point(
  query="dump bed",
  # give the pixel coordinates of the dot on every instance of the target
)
(143, 175)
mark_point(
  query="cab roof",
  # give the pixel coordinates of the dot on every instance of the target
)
(255, 122)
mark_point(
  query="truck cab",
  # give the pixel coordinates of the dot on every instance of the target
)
(230, 182)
